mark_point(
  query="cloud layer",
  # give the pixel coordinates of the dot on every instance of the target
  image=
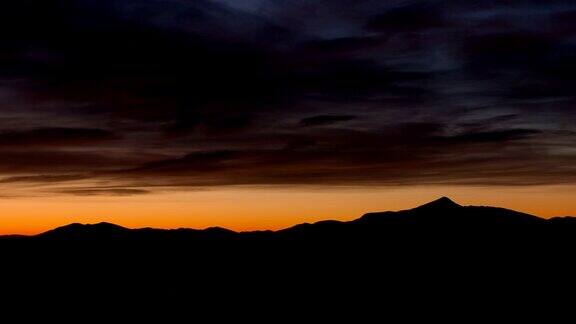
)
(127, 97)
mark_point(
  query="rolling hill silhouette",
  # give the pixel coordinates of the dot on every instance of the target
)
(435, 243)
(439, 218)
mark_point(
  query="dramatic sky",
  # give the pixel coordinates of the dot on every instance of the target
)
(262, 113)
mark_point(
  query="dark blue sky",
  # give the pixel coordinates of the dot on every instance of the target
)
(120, 97)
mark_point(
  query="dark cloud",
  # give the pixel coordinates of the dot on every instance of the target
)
(392, 166)
(563, 23)
(326, 120)
(509, 51)
(498, 136)
(55, 137)
(215, 124)
(343, 44)
(105, 192)
(44, 178)
(374, 159)
(146, 93)
(47, 161)
(200, 162)
(419, 16)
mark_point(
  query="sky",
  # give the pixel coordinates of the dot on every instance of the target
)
(261, 114)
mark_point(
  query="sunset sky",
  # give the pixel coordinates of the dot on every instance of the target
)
(260, 114)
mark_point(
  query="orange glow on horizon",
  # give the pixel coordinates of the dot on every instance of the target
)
(260, 209)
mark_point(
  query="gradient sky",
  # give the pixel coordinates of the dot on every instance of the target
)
(265, 113)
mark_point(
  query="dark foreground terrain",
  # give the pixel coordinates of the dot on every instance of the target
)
(436, 258)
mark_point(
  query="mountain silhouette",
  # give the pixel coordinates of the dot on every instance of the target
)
(440, 218)
(442, 203)
(446, 213)
(430, 243)
(89, 231)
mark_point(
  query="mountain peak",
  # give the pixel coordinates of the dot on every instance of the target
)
(77, 229)
(441, 203)
(99, 226)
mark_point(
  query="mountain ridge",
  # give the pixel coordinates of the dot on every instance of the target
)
(440, 213)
